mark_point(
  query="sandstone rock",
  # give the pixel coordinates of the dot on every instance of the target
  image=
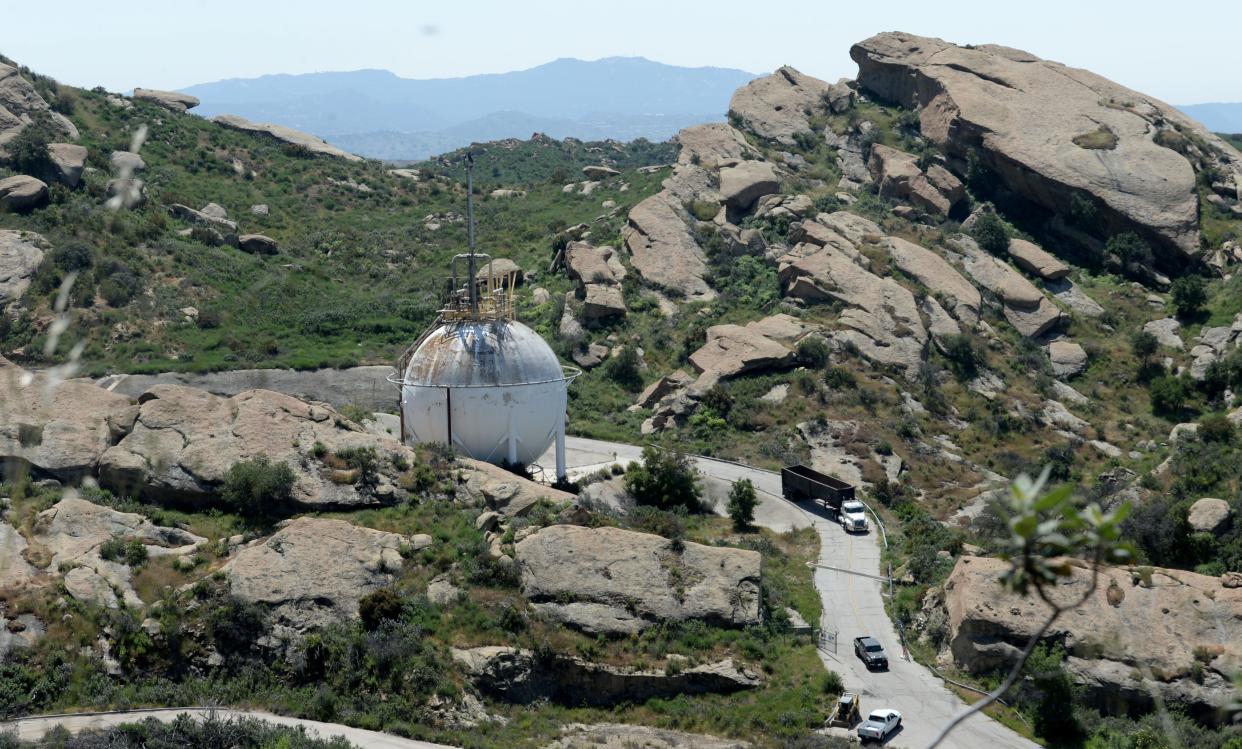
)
(1068, 358)
(215, 218)
(656, 391)
(520, 676)
(86, 585)
(662, 249)
(20, 104)
(731, 350)
(1209, 515)
(603, 301)
(506, 492)
(185, 440)
(570, 329)
(442, 592)
(599, 172)
(613, 581)
(73, 529)
(540, 295)
(20, 256)
(257, 244)
(15, 571)
(594, 356)
(1024, 306)
(1156, 626)
(853, 227)
(934, 272)
(59, 429)
(1069, 294)
(1026, 117)
(259, 209)
(313, 571)
(68, 161)
(586, 263)
(173, 101)
(311, 143)
(1055, 414)
(127, 163)
(775, 106)
(22, 192)
(1032, 258)
(713, 146)
(507, 193)
(897, 174)
(743, 184)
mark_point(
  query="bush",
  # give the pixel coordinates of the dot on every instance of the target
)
(28, 151)
(235, 624)
(1216, 428)
(664, 479)
(989, 232)
(1189, 295)
(362, 459)
(379, 606)
(258, 489)
(1129, 249)
(1143, 345)
(742, 501)
(964, 358)
(1168, 395)
(813, 352)
(625, 369)
(839, 378)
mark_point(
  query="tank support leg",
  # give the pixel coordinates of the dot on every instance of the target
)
(512, 443)
(561, 474)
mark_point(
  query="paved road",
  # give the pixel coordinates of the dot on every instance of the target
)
(33, 729)
(854, 606)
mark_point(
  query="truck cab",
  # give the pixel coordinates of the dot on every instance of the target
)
(853, 516)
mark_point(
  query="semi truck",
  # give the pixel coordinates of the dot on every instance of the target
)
(802, 483)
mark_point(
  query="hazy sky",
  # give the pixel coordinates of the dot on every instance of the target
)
(1184, 53)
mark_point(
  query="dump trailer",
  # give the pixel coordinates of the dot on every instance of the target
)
(801, 483)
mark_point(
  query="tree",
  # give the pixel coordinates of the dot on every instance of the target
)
(742, 501)
(257, 489)
(1189, 295)
(812, 352)
(1143, 345)
(625, 369)
(664, 479)
(989, 232)
(1168, 395)
(1129, 249)
(1044, 530)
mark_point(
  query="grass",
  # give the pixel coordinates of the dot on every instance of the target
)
(1100, 139)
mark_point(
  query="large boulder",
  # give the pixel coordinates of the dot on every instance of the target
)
(1051, 133)
(897, 175)
(57, 428)
(522, 676)
(1209, 515)
(211, 216)
(20, 256)
(173, 101)
(731, 350)
(504, 491)
(313, 571)
(258, 244)
(663, 250)
(933, 271)
(21, 104)
(1033, 259)
(311, 143)
(603, 301)
(713, 146)
(1158, 622)
(22, 192)
(127, 163)
(741, 185)
(1024, 305)
(184, 441)
(587, 263)
(68, 161)
(613, 581)
(779, 106)
(1067, 357)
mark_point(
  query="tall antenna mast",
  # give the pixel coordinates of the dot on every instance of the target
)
(473, 283)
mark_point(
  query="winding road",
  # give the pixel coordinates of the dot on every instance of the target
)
(849, 582)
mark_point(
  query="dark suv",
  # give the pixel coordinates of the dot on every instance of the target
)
(870, 652)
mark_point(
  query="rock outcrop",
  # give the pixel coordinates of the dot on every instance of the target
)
(747, 181)
(258, 244)
(1132, 622)
(731, 350)
(1024, 305)
(713, 146)
(173, 101)
(1033, 259)
(311, 143)
(779, 106)
(1209, 515)
(313, 571)
(613, 581)
(58, 429)
(20, 255)
(68, 160)
(506, 492)
(897, 175)
(521, 676)
(933, 271)
(1068, 358)
(663, 250)
(21, 104)
(599, 272)
(1050, 133)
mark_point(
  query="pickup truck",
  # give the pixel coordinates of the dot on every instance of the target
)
(853, 516)
(870, 652)
(880, 724)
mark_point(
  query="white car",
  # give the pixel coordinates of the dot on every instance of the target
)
(853, 516)
(879, 725)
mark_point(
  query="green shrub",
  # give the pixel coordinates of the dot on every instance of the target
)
(234, 624)
(1216, 427)
(364, 460)
(664, 479)
(379, 606)
(1132, 251)
(28, 151)
(839, 378)
(258, 488)
(989, 231)
(742, 501)
(1168, 395)
(964, 359)
(812, 352)
(625, 369)
(1143, 345)
(1189, 294)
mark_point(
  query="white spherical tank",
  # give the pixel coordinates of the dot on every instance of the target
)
(493, 389)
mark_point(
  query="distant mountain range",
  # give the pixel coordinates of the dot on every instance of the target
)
(1219, 117)
(379, 114)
